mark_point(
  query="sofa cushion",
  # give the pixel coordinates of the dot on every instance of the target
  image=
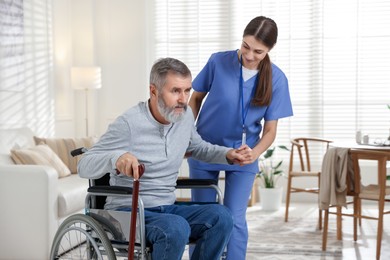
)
(63, 146)
(14, 138)
(71, 194)
(40, 155)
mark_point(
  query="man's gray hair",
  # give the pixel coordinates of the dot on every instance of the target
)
(163, 66)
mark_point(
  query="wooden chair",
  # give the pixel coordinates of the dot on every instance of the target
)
(374, 192)
(305, 147)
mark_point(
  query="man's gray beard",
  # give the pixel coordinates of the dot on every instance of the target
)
(169, 113)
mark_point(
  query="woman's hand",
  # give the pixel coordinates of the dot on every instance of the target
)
(249, 155)
(243, 155)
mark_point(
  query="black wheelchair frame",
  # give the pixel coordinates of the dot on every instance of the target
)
(104, 234)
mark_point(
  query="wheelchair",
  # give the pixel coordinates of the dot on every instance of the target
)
(105, 234)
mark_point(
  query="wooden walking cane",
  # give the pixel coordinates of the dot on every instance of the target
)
(134, 210)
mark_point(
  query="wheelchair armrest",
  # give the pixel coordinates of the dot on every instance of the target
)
(190, 183)
(100, 192)
(110, 190)
(180, 184)
(200, 184)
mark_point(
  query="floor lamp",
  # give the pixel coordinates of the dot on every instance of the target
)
(86, 78)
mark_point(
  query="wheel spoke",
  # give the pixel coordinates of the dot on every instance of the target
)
(81, 237)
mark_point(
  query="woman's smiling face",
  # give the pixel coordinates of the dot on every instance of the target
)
(252, 51)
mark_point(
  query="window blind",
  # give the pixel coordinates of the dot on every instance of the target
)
(26, 65)
(334, 53)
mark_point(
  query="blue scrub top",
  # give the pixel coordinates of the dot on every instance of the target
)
(220, 119)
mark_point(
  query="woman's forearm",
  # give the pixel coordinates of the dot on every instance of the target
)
(268, 137)
(196, 102)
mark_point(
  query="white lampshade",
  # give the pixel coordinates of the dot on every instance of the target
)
(86, 77)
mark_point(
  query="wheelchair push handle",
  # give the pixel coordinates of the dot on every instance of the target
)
(78, 151)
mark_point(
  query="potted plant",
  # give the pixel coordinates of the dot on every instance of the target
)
(269, 173)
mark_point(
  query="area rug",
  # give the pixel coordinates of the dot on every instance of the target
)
(299, 239)
(270, 237)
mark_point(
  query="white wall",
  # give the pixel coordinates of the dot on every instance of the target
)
(106, 33)
(111, 34)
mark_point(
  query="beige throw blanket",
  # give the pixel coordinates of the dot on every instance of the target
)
(333, 186)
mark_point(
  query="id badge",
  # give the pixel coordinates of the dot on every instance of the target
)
(243, 141)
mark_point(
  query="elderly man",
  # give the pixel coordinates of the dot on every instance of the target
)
(158, 133)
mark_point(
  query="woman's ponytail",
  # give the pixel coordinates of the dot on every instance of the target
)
(263, 92)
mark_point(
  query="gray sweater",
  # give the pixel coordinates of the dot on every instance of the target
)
(160, 147)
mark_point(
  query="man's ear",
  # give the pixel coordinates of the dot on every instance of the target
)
(153, 90)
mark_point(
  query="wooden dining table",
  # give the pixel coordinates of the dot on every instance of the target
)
(355, 146)
(352, 145)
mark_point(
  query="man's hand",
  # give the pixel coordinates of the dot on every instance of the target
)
(242, 155)
(127, 164)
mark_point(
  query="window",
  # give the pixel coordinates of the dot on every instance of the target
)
(334, 53)
(26, 65)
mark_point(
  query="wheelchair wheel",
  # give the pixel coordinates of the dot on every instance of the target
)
(81, 237)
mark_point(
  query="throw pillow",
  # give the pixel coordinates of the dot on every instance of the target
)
(40, 155)
(63, 146)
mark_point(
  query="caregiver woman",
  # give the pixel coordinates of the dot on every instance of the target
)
(247, 94)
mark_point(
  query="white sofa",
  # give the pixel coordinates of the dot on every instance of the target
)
(34, 201)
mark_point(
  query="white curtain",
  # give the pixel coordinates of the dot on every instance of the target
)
(335, 54)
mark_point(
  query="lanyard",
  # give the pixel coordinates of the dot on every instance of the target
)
(244, 111)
